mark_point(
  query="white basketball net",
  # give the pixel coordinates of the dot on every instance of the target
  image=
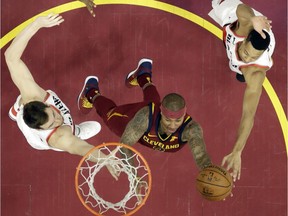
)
(137, 176)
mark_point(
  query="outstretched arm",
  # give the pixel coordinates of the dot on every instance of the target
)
(63, 139)
(254, 80)
(19, 72)
(135, 130)
(248, 21)
(194, 135)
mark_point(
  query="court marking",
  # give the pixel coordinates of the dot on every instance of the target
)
(170, 9)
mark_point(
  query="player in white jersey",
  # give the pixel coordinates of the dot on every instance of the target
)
(42, 117)
(249, 43)
(38, 139)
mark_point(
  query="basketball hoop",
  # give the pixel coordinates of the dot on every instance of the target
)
(138, 175)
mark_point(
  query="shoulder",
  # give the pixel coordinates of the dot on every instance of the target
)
(63, 132)
(254, 68)
(254, 79)
(143, 111)
(191, 130)
(141, 118)
(39, 96)
(193, 125)
(254, 73)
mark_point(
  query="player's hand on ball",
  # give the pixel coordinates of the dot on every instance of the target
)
(90, 6)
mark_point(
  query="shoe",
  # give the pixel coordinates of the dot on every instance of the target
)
(87, 129)
(240, 78)
(144, 67)
(91, 82)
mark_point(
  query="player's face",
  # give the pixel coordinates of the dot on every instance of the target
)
(54, 119)
(170, 125)
(247, 53)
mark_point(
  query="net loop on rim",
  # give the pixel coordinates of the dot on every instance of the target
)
(138, 175)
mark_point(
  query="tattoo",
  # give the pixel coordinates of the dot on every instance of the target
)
(134, 131)
(136, 127)
(194, 135)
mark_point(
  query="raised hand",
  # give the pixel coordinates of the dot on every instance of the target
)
(260, 23)
(113, 171)
(49, 21)
(113, 168)
(233, 162)
(90, 5)
(142, 186)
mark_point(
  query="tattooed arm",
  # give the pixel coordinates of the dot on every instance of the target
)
(134, 130)
(193, 134)
(136, 127)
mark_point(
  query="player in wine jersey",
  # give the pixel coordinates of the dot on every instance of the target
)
(249, 44)
(41, 115)
(160, 125)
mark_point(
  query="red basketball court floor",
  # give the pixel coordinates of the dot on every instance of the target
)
(188, 59)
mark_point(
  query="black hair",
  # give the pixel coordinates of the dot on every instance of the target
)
(34, 114)
(173, 102)
(257, 41)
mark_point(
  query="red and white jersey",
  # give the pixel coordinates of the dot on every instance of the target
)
(232, 42)
(38, 139)
(224, 13)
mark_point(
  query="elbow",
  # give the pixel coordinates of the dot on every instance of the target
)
(244, 8)
(74, 151)
(9, 55)
(244, 13)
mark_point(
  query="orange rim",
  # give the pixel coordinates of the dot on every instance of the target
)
(113, 144)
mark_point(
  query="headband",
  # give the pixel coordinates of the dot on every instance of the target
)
(173, 114)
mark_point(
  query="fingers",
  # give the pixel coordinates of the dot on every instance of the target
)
(223, 162)
(139, 199)
(53, 16)
(90, 9)
(90, 6)
(267, 24)
(229, 165)
(55, 19)
(115, 176)
(263, 35)
(261, 23)
(92, 13)
(115, 151)
(239, 174)
(115, 173)
(236, 174)
(141, 185)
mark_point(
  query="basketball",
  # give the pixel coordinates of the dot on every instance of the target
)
(214, 183)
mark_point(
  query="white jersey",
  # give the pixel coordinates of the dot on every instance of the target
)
(224, 13)
(231, 41)
(38, 139)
